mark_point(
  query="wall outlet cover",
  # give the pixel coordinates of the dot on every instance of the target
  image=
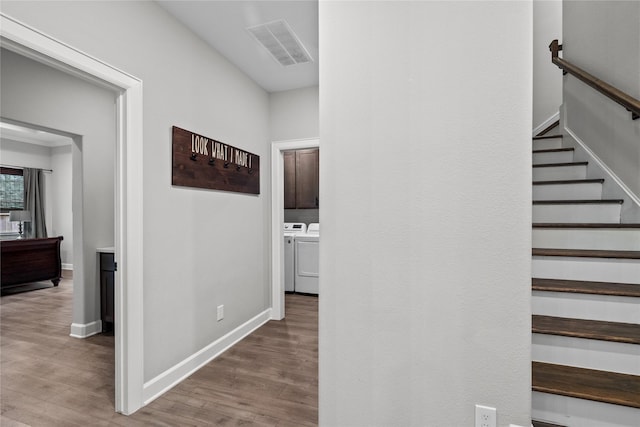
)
(485, 416)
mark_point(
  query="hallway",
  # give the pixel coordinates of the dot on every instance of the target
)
(49, 378)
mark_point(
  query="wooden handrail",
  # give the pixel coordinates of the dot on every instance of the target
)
(627, 101)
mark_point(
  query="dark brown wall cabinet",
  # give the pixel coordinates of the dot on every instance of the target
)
(301, 179)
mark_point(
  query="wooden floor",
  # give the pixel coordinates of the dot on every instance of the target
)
(50, 379)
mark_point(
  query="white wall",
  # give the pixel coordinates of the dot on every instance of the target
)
(425, 179)
(61, 184)
(36, 94)
(202, 248)
(547, 78)
(294, 114)
(603, 38)
(17, 153)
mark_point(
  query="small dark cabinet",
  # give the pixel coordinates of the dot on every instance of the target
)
(301, 179)
(107, 273)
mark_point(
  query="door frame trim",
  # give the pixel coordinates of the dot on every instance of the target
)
(277, 218)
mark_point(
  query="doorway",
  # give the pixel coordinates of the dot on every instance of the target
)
(35, 45)
(277, 219)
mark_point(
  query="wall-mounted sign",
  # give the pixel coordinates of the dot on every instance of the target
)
(199, 161)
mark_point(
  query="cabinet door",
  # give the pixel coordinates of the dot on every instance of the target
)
(289, 179)
(107, 271)
(307, 178)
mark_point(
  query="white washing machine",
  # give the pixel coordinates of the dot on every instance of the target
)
(291, 229)
(307, 260)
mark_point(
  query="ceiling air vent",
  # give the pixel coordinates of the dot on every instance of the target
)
(281, 42)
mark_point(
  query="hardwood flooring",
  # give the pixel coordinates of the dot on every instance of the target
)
(50, 379)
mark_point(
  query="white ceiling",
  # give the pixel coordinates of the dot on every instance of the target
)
(32, 136)
(223, 24)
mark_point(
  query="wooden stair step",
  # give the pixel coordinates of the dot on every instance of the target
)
(589, 329)
(569, 181)
(582, 225)
(536, 138)
(586, 253)
(590, 384)
(579, 202)
(554, 150)
(536, 423)
(585, 287)
(551, 165)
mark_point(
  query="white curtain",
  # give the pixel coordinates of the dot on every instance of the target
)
(34, 194)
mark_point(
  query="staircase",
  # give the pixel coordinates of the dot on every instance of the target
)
(586, 297)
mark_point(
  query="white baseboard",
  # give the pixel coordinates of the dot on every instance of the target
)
(168, 379)
(542, 126)
(79, 330)
(67, 266)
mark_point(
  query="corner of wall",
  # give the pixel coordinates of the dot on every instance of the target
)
(85, 330)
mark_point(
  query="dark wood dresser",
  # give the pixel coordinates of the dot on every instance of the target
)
(30, 260)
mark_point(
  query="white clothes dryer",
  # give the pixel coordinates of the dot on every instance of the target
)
(307, 260)
(291, 229)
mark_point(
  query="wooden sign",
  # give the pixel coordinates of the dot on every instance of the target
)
(203, 162)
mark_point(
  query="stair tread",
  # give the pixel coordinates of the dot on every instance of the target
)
(569, 181)
(582, 225)
(554, 150)
(537, 138)
(586, 287)
(586, 253)
(550, 165)
(536, 423)
(582, 383)
(590, 329)
(580, 202)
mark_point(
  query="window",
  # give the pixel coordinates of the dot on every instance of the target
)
(11, 197)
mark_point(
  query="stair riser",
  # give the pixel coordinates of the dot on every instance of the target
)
(604, 239)
(588, 269)
(580, 306)
(547, 144)
(553, 157)
(577, 213)
(574, 412)
(588, 191)
(556, 173)
(586, 353)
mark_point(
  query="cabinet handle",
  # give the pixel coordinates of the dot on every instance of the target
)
(317, 203)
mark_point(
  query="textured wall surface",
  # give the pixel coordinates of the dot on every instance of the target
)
(425, 180)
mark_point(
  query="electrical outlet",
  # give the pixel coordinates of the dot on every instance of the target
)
(220, 312)
(485, 416)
